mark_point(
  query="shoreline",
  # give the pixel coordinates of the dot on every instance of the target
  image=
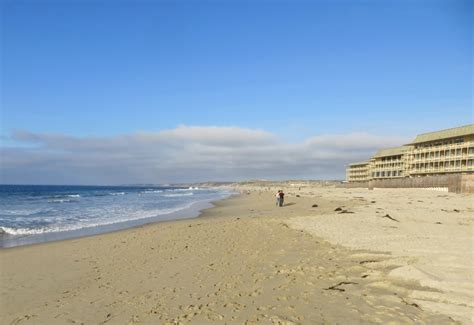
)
(239, 261)
(111, 232)
(193, 211)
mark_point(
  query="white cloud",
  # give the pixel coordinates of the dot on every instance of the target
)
(186, 153)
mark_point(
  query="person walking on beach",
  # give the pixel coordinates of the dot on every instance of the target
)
(278, 198)
(282, 197)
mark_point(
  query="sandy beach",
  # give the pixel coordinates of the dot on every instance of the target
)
(328, 256)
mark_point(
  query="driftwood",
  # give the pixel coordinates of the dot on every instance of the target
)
(336, 286)
(389, 217)
(411, 304)
(345, 211)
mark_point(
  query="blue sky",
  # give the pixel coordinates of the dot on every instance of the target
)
(297, 69)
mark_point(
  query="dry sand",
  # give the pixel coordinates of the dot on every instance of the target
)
(431, 234)
(241, 262)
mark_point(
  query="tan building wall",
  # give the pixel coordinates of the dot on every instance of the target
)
(452, 182)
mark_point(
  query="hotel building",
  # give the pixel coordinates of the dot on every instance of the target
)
(434, 153)
(390, 163)
(447, 151)
(358, 172)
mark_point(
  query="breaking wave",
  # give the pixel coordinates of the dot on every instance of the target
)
(84, 223)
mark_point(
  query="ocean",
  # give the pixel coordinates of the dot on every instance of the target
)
(40, 213)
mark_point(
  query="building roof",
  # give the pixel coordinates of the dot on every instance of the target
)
(359, 163)
(391, 152)
(444, 134)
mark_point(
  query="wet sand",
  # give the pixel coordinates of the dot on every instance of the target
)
(245, 261)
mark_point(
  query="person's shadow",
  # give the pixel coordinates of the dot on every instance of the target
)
(288, 204)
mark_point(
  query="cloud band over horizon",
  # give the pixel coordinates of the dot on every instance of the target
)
(182, 154)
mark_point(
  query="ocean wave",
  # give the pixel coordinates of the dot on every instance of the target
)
(76, 196)
(151, 191)
(191, 188)
(82, 225)
(20, 231)
(61, 200)
(24, 212)
(65, 196)
(178, 195)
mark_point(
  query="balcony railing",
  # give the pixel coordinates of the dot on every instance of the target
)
(445, 147)
(442, 170)
(455, 157)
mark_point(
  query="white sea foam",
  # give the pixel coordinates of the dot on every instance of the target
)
(65, 196)
(20, 231)
(178, 195)
(151, 191)
(61, 200)
(118, 193)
